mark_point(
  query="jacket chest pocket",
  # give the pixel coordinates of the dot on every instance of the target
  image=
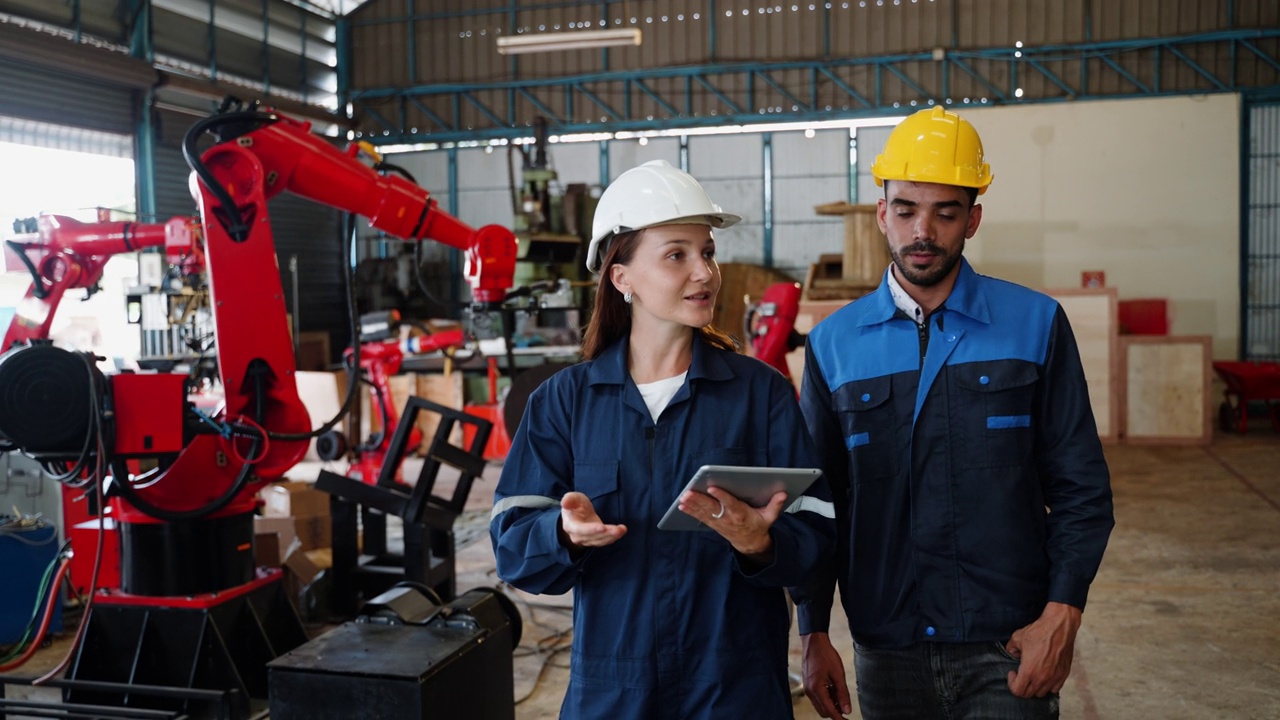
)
(868, 424)
(598, 480)
(992, 414)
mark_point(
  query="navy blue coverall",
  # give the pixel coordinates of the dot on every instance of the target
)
(666, 624)
(969, 482)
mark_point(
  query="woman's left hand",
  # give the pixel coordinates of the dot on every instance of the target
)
(745, 527)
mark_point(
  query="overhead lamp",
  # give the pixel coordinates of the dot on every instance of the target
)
(579, 40)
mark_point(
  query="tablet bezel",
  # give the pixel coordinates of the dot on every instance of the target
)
(752, 485)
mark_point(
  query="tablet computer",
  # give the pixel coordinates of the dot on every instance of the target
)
(752, 485)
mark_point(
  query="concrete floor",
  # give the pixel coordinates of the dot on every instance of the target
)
(1181, 620)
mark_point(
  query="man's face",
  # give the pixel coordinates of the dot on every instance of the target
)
(926, 225)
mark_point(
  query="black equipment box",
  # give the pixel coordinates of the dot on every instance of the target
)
(440, 670)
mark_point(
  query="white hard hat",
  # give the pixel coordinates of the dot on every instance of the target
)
(652, 194)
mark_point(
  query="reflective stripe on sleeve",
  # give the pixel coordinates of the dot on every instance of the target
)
(805, 503)
(533, 502)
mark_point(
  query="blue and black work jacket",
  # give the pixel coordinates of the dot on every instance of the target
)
(969, 482)
(666, 624)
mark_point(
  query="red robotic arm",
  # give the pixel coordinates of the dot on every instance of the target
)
(66, 254)
(259, 155)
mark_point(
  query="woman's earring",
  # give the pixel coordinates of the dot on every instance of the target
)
(626, 297)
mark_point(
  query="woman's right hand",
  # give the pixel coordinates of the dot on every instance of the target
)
(581, 527)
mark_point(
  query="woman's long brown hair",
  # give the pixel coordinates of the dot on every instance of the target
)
(611, 318)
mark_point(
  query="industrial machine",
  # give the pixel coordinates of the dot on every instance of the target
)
(770, 325)
(63, 254)
(434, 661)
(66, 254)
(382, 352)
(193, 612)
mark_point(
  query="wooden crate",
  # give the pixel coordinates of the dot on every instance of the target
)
(825, 282)
(866, 253)
(1167, 398)
(1093, 316)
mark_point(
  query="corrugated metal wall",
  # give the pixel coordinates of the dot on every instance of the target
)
(34, 93)
(173, 194)
(1260, 301)
(731, 170)
(454, 42)
(807, 172)
(293, 58)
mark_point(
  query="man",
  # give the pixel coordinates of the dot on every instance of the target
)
(972, 496)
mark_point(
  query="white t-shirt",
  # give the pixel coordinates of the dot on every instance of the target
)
(657, 394)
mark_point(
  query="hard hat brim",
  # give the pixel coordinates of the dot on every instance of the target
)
(599, 246)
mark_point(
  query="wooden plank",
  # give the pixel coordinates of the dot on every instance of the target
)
(1093, 315)
(1168, 387)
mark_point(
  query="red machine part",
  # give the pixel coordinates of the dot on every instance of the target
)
(1247, 382)
(259, 156)
(770, 324)
(66, 254)
(381, 360)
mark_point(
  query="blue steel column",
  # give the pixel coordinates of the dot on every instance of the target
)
(853, 166)
(455, 257)
(1246, 108)
(767, 139)
(412, 29)
(342, 36)
(302, 62)
(266, 49)
(213, 41)
(711, 30)
(141, 46)
(604, 163)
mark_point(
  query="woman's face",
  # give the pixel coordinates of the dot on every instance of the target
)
(673, 276)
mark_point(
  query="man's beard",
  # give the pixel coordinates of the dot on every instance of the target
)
(930, 276)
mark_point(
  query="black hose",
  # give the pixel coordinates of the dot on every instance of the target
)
(385, 166)
(37, 283)
(236, 226)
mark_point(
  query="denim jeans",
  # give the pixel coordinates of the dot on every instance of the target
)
(943, 681)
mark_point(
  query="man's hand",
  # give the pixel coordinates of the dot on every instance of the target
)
(1044, 650)
(581, 527)
(824, 677)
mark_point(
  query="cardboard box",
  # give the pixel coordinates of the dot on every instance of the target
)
(308, 533)
(314, 532)
(293, 499)
(272, 538)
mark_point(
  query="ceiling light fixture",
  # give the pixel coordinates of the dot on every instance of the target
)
(581, 40)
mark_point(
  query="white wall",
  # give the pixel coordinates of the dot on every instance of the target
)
(1147, 191)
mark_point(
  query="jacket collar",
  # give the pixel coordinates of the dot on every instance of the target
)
(967, 298)
(611, 367)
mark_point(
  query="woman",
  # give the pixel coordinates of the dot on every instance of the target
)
(666, 624)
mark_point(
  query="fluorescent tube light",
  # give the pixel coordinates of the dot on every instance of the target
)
(580, 40)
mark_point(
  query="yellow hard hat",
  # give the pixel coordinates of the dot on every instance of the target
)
(934, 146)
